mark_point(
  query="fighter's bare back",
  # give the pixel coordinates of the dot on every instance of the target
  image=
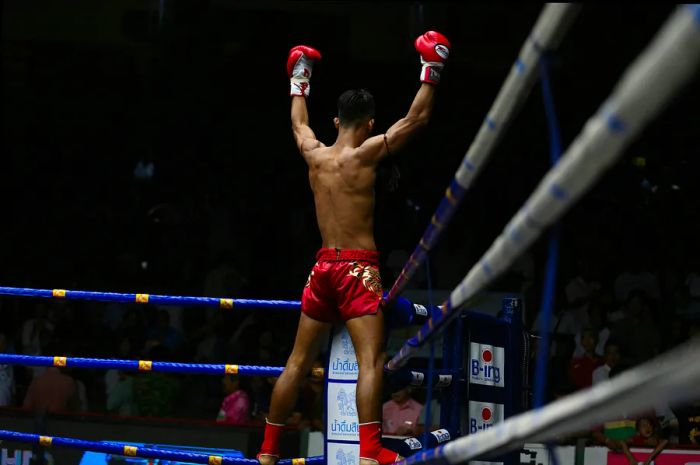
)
(342, 181)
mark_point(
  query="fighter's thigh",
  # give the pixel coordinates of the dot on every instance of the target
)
(367, 335)
(310, 334)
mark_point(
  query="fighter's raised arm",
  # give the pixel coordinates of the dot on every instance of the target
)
(434, 48)
(299, 66)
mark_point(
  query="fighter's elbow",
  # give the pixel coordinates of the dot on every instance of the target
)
(420, 121)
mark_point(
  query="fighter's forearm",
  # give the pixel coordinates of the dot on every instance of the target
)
(422, 105)
(300, 115)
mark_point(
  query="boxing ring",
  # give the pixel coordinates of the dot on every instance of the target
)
(492, 346)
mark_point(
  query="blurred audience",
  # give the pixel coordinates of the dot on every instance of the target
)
(400, 414)
(235, 408)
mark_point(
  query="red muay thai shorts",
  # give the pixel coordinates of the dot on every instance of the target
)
(343, 284)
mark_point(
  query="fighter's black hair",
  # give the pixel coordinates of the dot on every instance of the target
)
(355, 106)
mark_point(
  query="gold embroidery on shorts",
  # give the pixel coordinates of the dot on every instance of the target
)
(369, 275)
(308, 280)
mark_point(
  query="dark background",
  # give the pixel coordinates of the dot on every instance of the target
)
(200, 90)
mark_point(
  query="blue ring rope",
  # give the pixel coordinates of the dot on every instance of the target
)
(139, 365)
(155, 299)
(118, 448)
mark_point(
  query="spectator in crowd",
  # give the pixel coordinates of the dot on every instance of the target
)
(583, 286)
(225, 279)
(597, 319)
(119, 385)
(235, 408)
(164, 334)
(559, 380)
(636, 333)
(312, 400)
(400, 413)
(637, 279)
(156, 392)
(581, 368)
(648, 435)
(612, 358)
(132, 327)
(261, 391)
(120, 398)
(36, 330)
(210, 339)
(53, 390)
(7, 377)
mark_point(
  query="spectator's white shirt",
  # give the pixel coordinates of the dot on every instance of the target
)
(629, 281)
(600, 374)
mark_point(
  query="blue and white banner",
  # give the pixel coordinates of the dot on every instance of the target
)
(483, 415)
(486, 365)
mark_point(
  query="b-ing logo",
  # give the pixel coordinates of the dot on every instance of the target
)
(441, 435)
(343, 457)
(483, 415)
(486, 364)
(346, 403)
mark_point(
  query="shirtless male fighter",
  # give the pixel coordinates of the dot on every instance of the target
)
(344, 284)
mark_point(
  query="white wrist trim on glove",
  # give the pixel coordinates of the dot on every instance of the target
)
(299, 87)
(430, 72)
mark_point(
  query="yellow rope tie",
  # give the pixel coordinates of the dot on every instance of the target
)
(216, 460)
(141, 298)
(60, 293)
(45, 441)
(145, 365)
(226, 304)
(423, 244)
(59, 361)
(436, 223)
(130, 451)
(231, 369)
(298, 461)
(450, 196)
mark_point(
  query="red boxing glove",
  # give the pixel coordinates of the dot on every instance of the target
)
(299, 64)
(434, 48)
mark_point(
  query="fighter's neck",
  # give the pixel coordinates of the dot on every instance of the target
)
(349, 138)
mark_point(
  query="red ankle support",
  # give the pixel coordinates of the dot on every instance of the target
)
(270, 445)
(371, 444)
